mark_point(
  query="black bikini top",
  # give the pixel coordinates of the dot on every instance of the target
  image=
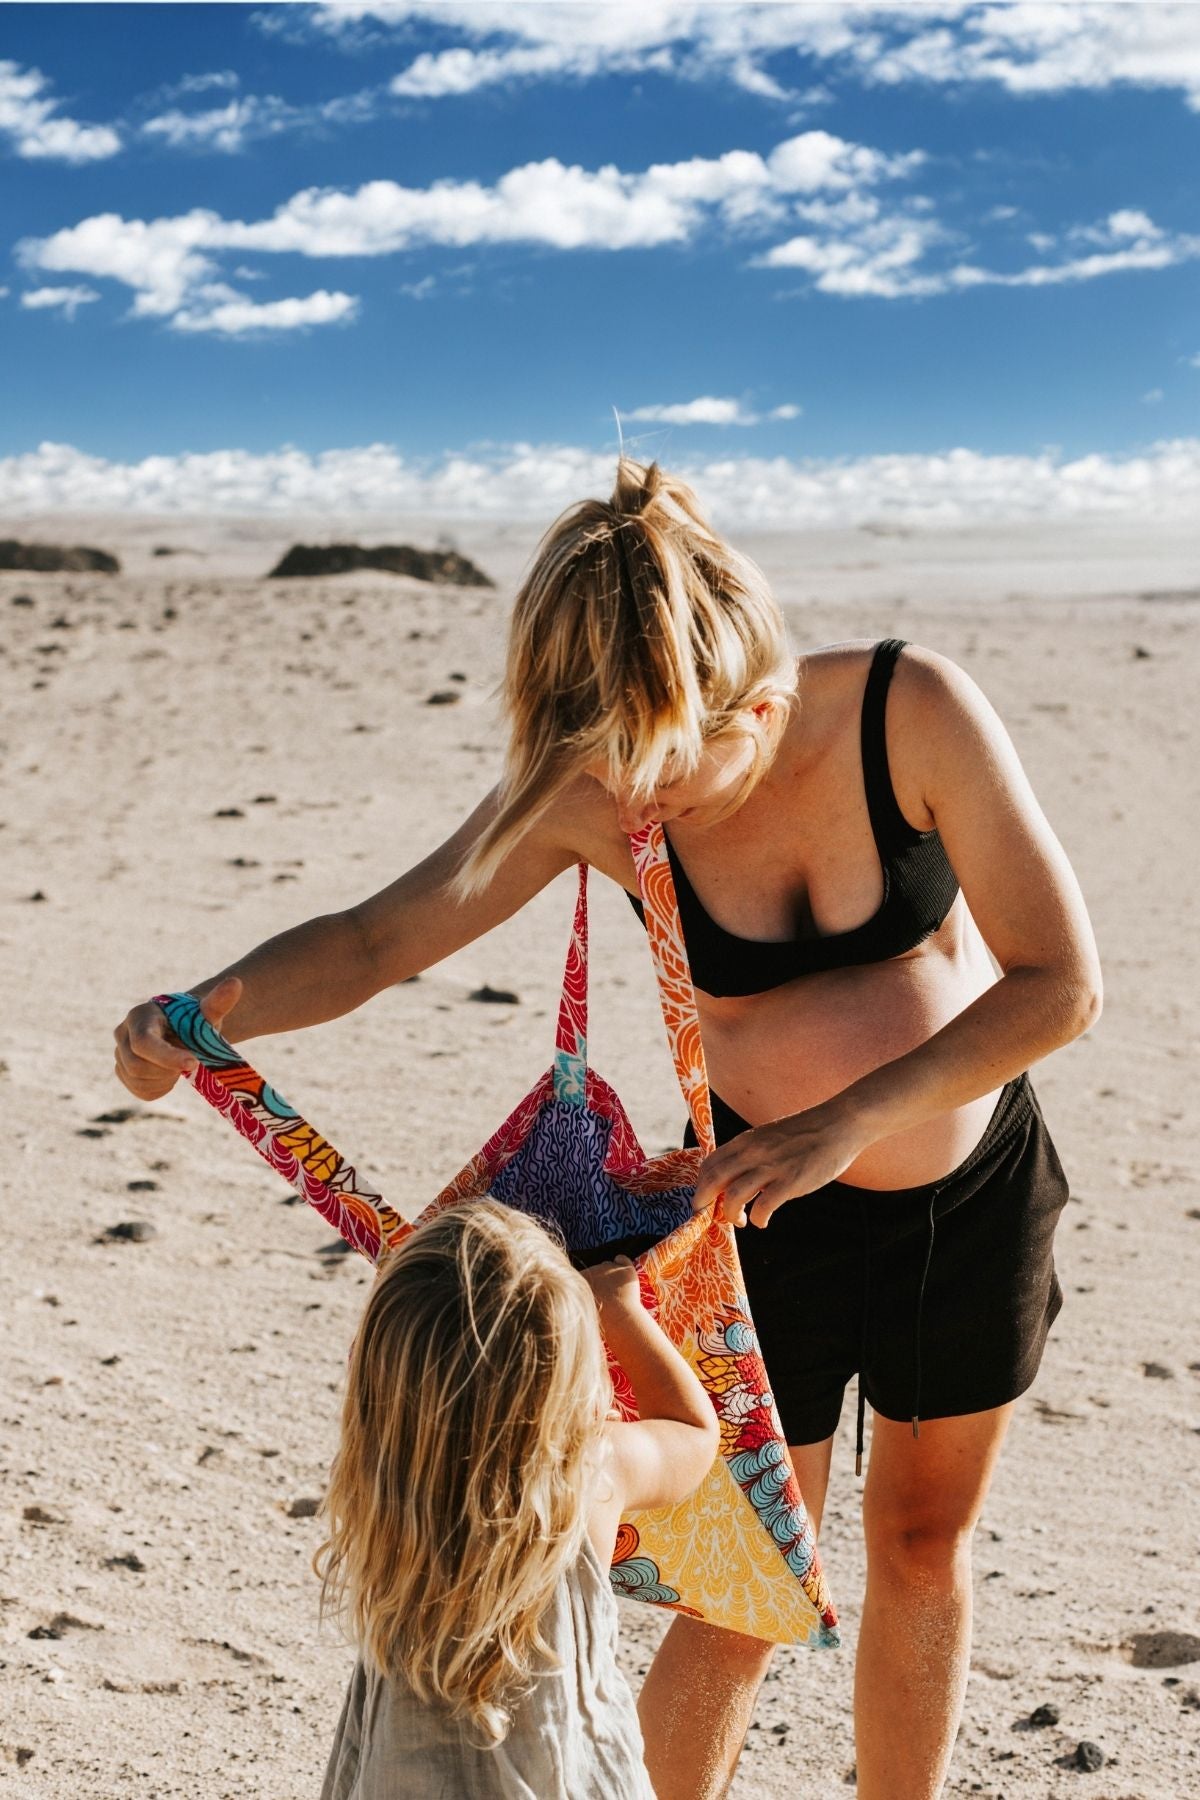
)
(919, 886)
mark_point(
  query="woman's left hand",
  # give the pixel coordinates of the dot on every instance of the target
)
(773, 1163)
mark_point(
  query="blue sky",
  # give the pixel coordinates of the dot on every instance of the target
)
(835, 260)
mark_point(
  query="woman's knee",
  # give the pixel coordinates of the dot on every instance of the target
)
(711, 1647)
(918, 1544)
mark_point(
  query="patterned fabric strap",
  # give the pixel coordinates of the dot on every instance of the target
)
(570, 1042)
(676, 994)
(282, 1138)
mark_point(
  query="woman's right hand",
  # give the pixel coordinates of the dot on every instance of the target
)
(149, 1057)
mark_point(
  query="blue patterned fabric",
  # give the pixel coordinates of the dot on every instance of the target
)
(558, 1175)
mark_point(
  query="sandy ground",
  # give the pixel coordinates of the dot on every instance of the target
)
(165, 1403)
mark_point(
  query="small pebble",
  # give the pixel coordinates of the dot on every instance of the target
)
(229, 812)
(264, 799)
(1044, 1715)
(1140, 653)
(21, 600)
(129, 1559)
(1088, 1757)
(495, 996)
(144, 1185)
(131, 1231)
(120, 1115)
(41, 1515)
(304, 1508)
(1157, 1371)
(443, 697)
(37, 894)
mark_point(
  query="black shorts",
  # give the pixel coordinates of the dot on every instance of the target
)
(938, 1297)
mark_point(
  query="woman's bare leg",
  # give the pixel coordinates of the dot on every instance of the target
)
(921, 1503)
(698, 1698)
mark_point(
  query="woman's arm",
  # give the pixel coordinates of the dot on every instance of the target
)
(329, 965)
(1023, 896)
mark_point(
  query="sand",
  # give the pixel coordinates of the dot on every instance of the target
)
(167, 1403)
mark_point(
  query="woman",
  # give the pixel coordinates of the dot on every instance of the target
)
(851, 838)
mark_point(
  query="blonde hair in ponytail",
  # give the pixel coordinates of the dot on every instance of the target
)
(470, 1450)
(637, 636)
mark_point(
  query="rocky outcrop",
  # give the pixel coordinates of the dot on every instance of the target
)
(49, 559)
(446, 567)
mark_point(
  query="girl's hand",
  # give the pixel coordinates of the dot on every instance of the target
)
(149, 1057)
(614, 1285)
(773, 1163)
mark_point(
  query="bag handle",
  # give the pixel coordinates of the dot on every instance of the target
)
(676, 994)
(306, 1160)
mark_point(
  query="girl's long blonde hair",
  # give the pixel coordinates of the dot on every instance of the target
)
(637, 635)
(474, 1413)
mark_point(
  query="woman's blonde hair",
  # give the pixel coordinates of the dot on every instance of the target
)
(637, 635)
(474, 1412)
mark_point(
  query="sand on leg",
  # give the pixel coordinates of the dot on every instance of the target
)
(698, 1697)
(921, 1503)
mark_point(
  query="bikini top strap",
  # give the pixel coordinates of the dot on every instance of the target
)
(570, 1042)
(891, 829)
(676, 994)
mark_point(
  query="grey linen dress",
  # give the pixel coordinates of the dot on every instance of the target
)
(575, 1736)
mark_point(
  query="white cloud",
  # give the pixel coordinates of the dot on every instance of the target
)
(1152, 396)
(881, 256)
(1024, 48)
(28, 119)
(69, 298)
(708, 410)
(250, 117)
(231, 315)
(957, 487)
(563, 207)
(705, 411)
(203, 84)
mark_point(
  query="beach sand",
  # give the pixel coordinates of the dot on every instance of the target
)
(170, 1405)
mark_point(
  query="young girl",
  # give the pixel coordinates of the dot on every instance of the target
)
(473, 1509)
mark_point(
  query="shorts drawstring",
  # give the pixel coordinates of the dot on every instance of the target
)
(916, 1416)
(862, 1336)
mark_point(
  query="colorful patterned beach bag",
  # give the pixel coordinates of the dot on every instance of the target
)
(740, 1552)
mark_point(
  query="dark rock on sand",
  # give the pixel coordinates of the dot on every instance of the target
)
(1157, 1371)
(129, 1559)
(1044, 1715)
(22, 600)
(446, 567)
(303, 1508)
(443, 697)
(1088, 1757)
(495, 996)
(129, 1231)
(50, 559)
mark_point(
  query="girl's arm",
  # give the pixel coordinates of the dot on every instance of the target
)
(328, 966)
(657, 1459)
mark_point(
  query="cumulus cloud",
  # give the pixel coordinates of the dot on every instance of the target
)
(708, 410)
(880, 254)
(36, 129)
(1024, 49)
(70, 299)
(564, 207)
(232, 315)
(956, 487)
